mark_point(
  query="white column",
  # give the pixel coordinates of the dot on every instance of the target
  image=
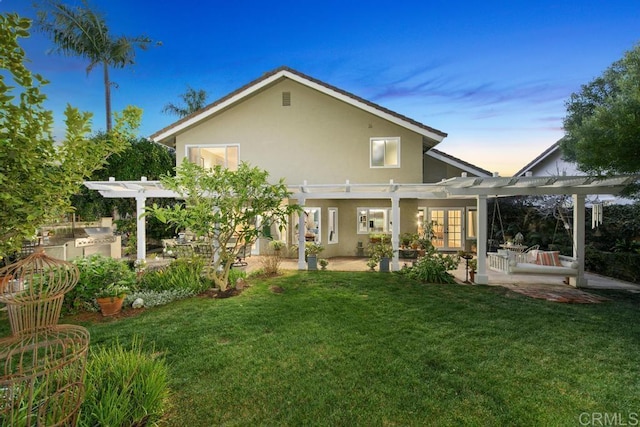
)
(302, 265)
(578, 239)
(395, 232)
(482, 278)
(141, 232)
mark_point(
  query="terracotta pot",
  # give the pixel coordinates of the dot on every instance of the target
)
(110, 306)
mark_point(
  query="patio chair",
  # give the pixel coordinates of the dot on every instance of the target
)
(241, 255)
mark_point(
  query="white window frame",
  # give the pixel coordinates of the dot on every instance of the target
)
(225, 146)
(363, 215)
(386, 140)
(332, 225)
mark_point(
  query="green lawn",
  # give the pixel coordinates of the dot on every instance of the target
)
(337, 348)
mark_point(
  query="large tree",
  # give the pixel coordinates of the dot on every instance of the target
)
(37, 175)
(81, 31)
(193, 100)
(602, 125)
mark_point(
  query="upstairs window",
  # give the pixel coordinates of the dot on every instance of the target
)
(208, 156)
(385, 152)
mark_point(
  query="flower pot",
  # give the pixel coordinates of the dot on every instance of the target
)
(110, 306)
(384, 264)
(312, 262)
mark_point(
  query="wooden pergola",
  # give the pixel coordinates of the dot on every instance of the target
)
(462, 187)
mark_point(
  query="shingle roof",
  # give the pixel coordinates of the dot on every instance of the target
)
(538, 159)
(461, 163)
(289, 72)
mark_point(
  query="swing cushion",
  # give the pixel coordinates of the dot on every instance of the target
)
(549, 258)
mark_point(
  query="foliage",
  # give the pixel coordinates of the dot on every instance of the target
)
(372, 264)
(272, 259)
(313, 248)
(224, 207)
(406, 239)
(377, 251)
(193, 100)
(124, 387)
(141, 158)
(621, 265)
(235, 275)
(183, 274)
(112, 290)
(602, 125)
(97, 273)
(152, 298)
(323, 262)
(80, 31)
(37, 175)
(433, 267)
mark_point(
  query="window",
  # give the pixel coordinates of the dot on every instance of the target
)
(311, 225)
(333, 225)
(385, 152)
(374, 220)
(472, 224)
(208, 156)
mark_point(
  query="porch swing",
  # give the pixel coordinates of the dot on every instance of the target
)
(531, 261)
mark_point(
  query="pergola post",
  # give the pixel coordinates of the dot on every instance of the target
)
(578, 239)
(141, 233)
(302, 265)
(482, 278)
(395, 232)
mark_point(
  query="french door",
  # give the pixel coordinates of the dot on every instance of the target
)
(447, 227)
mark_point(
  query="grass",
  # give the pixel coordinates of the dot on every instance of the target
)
(337, 348)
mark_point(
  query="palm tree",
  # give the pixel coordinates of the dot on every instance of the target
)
(80, 31)
(194, 100)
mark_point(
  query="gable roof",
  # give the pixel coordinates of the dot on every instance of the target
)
(543, 156)
(278, 74)
(458, 163)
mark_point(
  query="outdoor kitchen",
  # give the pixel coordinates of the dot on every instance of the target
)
(70, 240)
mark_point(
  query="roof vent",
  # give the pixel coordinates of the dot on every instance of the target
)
(286, 99)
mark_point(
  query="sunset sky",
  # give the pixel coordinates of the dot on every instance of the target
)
(494, 75)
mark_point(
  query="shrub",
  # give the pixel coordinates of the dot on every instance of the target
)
(272, 260)
(433, 268)
(235, 275)
(124, 387)
(184, 274)
(621, 265)
(155, 298)
(97, 272)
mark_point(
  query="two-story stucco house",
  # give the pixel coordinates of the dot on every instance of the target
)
(325, 142)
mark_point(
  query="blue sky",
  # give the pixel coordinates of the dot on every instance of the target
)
(494, 75)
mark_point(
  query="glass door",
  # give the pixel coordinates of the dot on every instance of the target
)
(447, 227)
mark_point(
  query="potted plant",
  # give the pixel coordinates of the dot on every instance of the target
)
(111, 297)
(371, 263)
(323, 263)
(381, 252)
(473, 267)
(312, 249)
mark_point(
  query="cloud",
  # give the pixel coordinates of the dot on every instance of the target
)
(431, 82)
